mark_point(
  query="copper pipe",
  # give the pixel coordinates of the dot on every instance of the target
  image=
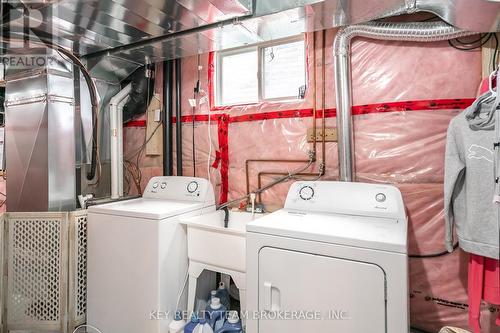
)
(247, 163)
(322, 167)
(314, 85)
(323, 105)
(286, 177)
(314, 90)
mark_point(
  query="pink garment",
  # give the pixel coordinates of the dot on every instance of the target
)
(484, 283)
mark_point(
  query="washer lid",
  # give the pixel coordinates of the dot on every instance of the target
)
(351, 230)
(147, 208)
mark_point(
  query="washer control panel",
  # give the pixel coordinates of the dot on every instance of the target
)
(179, 188)
(346, 198)
(193, 186)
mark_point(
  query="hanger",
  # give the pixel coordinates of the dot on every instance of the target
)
(492, 81)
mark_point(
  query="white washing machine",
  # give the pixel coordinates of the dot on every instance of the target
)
(137, 255)
(333, 260)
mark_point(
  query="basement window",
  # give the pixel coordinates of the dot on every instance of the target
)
(274, 71)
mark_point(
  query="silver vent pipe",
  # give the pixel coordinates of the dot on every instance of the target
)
(406, 32)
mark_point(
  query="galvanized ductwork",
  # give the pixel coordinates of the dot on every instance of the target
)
(40, 145)
(407, 32)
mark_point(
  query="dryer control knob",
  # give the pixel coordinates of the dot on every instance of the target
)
(192, 186)
(380, 197)
(306, 193)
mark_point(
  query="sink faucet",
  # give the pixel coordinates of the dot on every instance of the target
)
(226, 216)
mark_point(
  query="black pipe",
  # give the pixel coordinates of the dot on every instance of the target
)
(178, 114)
(163, 38)
(167, 118)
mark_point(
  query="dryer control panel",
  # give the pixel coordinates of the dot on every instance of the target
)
(179, 188)
(359, 199)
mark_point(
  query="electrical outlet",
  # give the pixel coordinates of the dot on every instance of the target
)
(157, 115)
(331, 134)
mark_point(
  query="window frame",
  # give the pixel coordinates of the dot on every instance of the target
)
(259, 48)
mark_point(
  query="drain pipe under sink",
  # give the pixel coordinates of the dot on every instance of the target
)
(116, 105)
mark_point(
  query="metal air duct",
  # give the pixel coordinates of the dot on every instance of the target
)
(407, 32)
(40, 144)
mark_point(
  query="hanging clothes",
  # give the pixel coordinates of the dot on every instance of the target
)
(470, 204)
(469, 184)
(483, 284)
(494, 81)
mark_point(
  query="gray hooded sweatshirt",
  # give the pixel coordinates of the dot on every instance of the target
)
(469, 183)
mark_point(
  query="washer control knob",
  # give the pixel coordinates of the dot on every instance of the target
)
(192, 186)
(155, 185)
(163, 185)
(306, 193)
(380, 197)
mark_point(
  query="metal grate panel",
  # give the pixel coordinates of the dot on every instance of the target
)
(45, 287)
(37, 274)
(78, 268)
(2, 261)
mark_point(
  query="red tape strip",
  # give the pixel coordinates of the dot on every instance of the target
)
(224, 119)
(223, 127)
(135, 123)
(427, 105)
(438, 104)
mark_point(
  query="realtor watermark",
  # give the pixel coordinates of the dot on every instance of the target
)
(265, 315)
(26, 34)
(27, 61)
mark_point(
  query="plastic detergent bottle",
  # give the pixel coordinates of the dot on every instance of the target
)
(232, 325)
(177, 325)
(203, 327)
(190, 327)
(213, 294)
(216, 314)
(223, 295)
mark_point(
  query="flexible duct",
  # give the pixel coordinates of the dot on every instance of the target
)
(116, 105)
(407, 32)
(142, 81)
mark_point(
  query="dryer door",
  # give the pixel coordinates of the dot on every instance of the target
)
(301, 292)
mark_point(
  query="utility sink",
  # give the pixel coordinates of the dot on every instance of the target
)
(212, 244)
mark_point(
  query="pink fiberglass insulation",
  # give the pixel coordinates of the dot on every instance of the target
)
(277, 138)
(396, 71)
(152, 165)
(405, 148)
(3, 191)
(402, 147)
(439, 294)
